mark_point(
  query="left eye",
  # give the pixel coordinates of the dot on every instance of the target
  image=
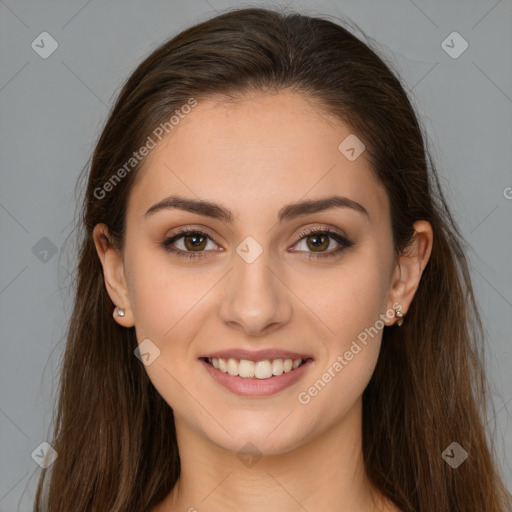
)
(321, 239)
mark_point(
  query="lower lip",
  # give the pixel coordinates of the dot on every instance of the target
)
(256, 387)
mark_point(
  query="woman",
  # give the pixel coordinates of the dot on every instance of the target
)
(273, 305)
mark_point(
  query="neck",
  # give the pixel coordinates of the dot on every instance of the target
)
(326, 473)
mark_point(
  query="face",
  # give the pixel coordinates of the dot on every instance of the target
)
(316, 284)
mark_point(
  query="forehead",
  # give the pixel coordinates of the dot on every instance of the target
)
(256, 154)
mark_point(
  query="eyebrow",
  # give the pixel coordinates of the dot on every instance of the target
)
(288, 212)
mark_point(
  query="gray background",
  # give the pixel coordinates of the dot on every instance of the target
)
(51, 113)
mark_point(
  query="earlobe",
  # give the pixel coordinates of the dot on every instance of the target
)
(410, 266)
(114, 276)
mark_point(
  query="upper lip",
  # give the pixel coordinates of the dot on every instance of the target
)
(255, 355)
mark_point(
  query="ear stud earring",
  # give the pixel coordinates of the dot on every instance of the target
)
(120, 311)
(400, 317)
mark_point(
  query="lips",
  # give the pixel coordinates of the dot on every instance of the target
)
(255, 355)
(256, 373)
(257, 387)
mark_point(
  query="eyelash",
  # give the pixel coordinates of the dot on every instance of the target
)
(342, 240)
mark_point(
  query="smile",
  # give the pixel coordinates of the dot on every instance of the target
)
(246, 369)
(255, 378)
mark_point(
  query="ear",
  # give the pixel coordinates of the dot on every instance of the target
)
(113, 272)
(409, 268)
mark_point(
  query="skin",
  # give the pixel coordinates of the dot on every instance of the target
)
(253, 158)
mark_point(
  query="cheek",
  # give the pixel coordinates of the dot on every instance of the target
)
(336, 388)
(166, 307)
(340, 378)
(350, 305)
(348, 299)
(171, 308)
(162, 296)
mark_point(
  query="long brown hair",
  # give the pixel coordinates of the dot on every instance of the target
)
(113, 432)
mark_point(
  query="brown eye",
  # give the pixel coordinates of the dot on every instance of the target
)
(317, 241)
(189, 243)
(195, 241)
(320, 242)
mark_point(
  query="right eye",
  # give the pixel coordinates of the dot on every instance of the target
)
(193, 243)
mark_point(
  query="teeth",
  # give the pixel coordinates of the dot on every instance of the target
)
(259, 369)
(263, 369)
(245, 368)
(223, 365)
(277, 367)
(232, 367)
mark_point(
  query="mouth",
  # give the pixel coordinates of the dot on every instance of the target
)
(256, 377)
(261, 370)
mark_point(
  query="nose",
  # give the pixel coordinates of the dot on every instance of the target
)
(255, 298)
